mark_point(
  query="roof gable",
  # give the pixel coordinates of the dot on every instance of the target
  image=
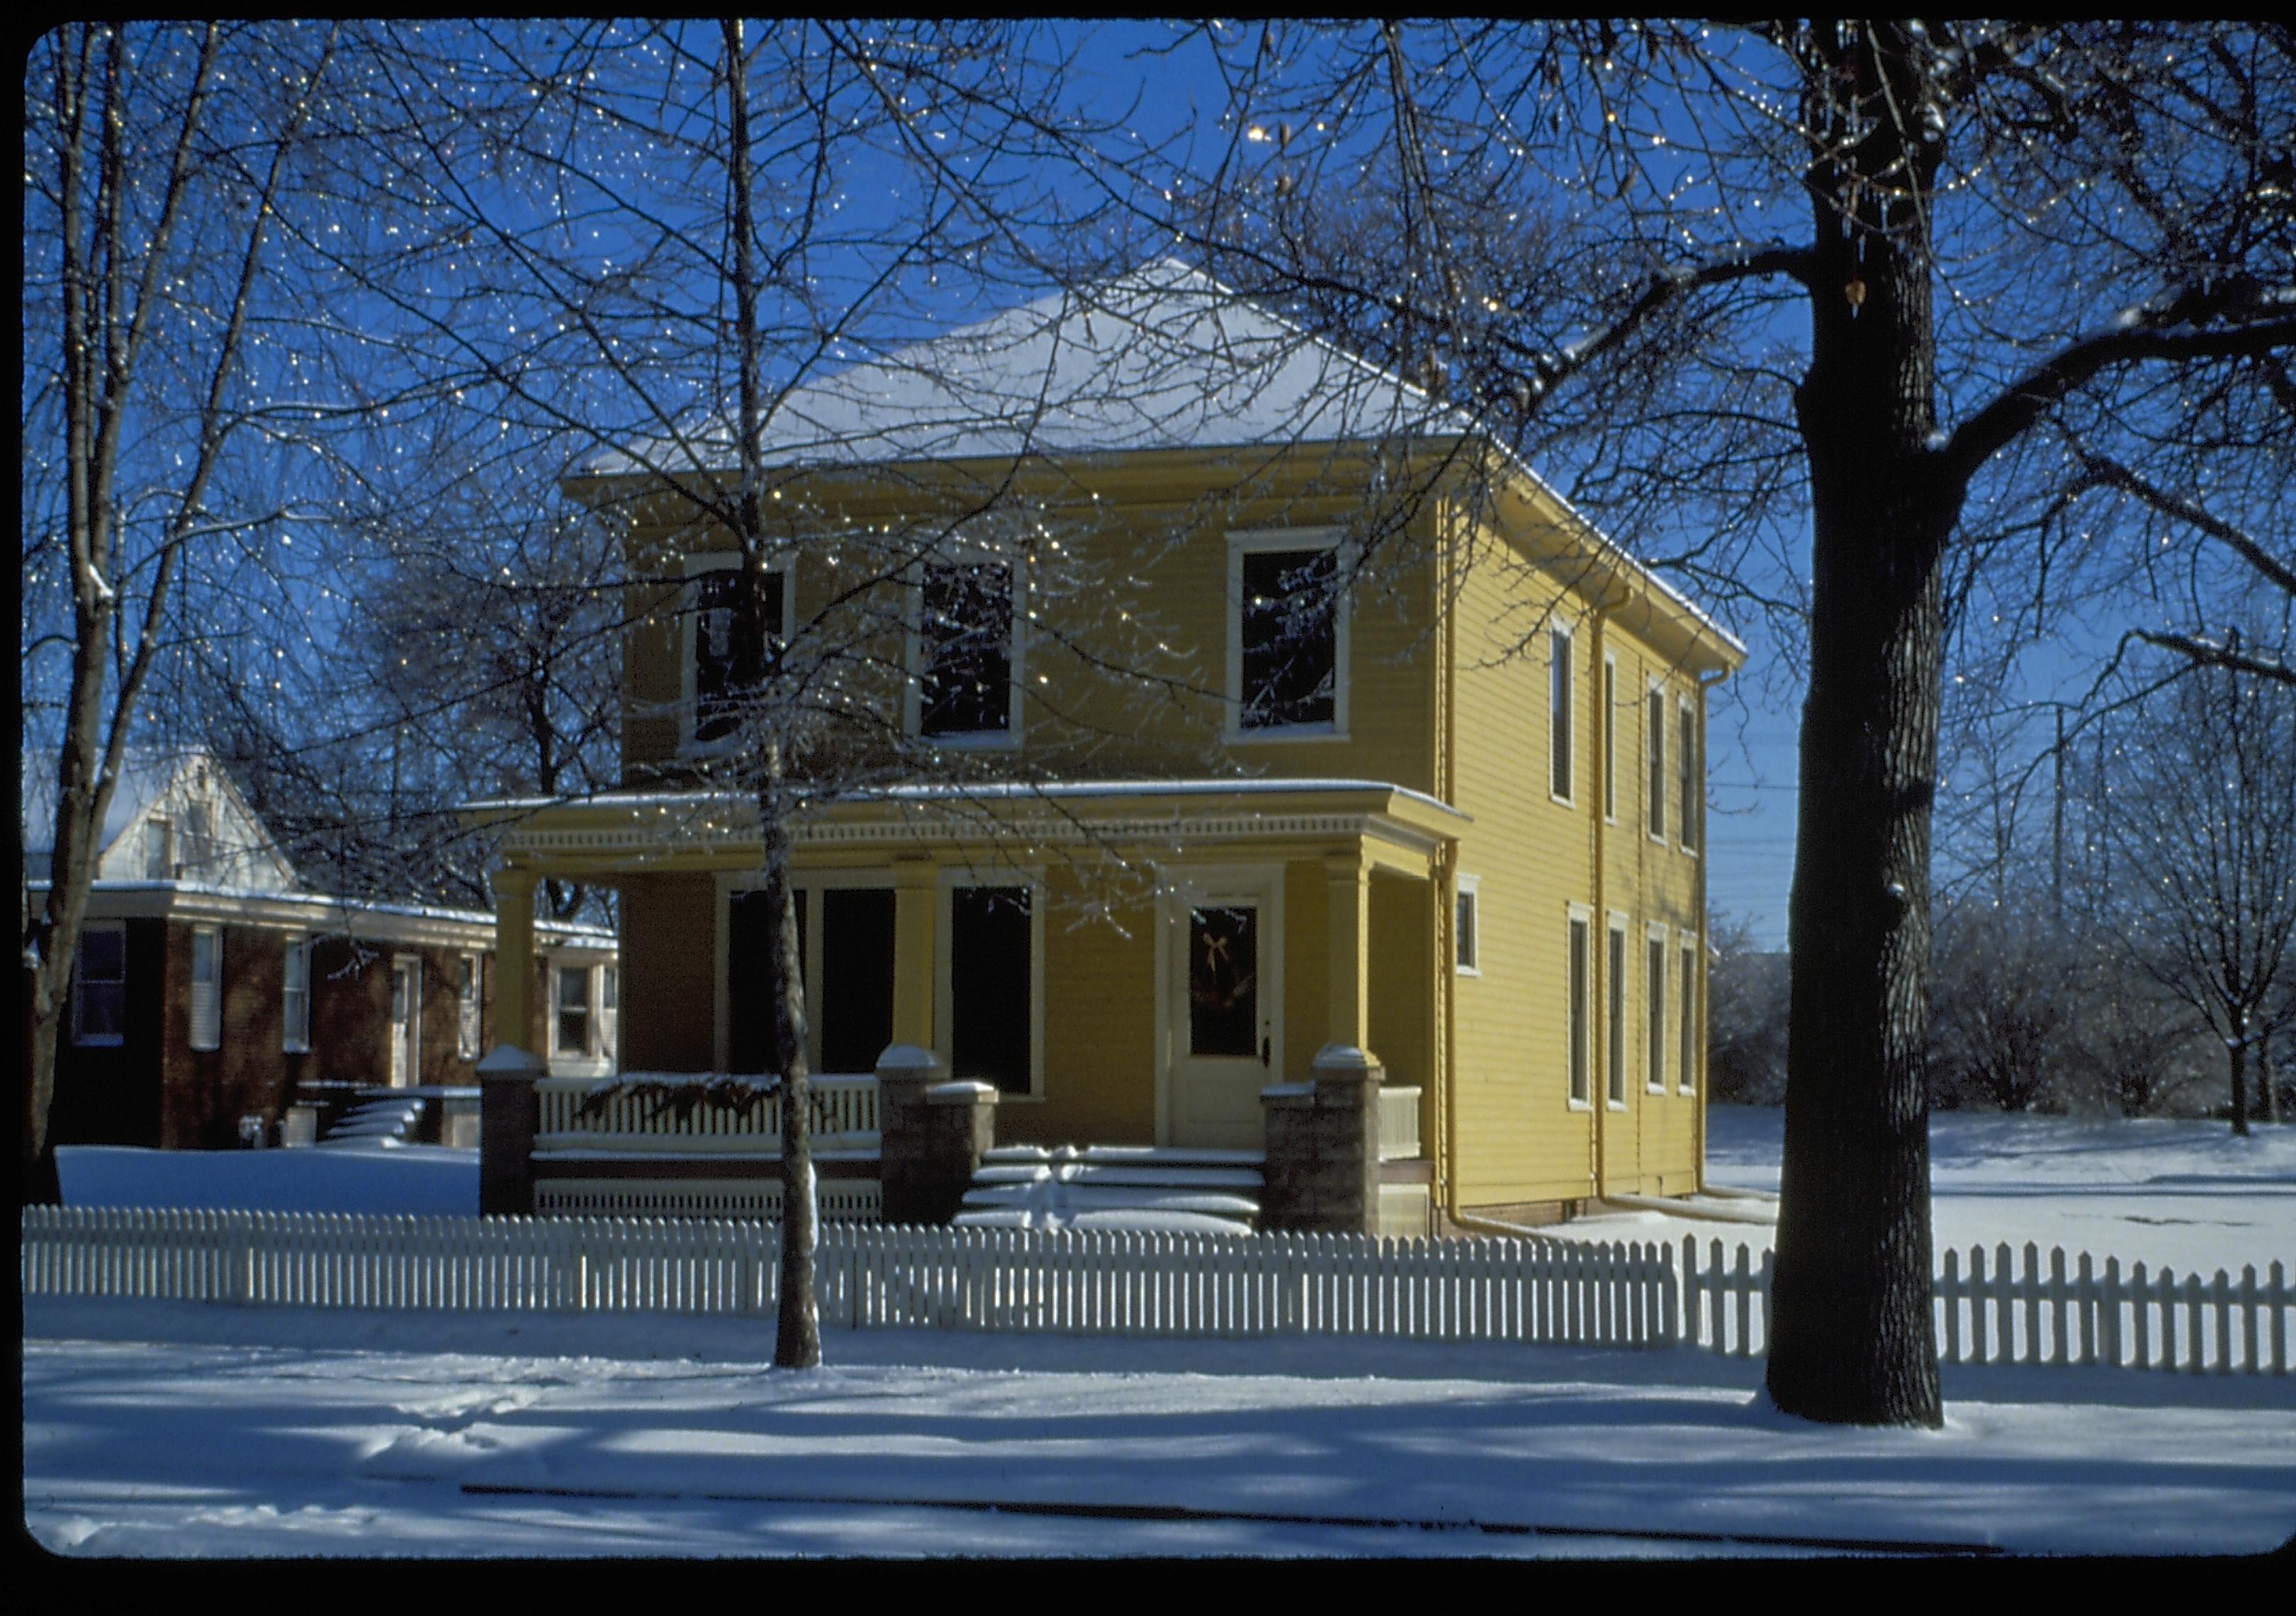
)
(167, 784)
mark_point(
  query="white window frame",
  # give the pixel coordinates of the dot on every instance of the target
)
(470, 1005)
(1254, 541)
(1656, 944)
(294, 999)
(944, 943)
(912, 691)
(1563, 738)
(1467, 960)
(590, 1054)
(689, 624)
(99, 1040)
(1579, 1009)
(1686, 998)
(1615, 957)
(1657, 781)
(1690, 778)
(1610, 738)
(206, 999)
(197, 848)
(160, 838)
(606, 1011)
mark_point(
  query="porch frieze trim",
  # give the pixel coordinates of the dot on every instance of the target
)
(660, 839)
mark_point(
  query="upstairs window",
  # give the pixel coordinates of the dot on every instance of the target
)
(1558, 704)
(159, 850)
(295, 1005)
(100, 987)
(1686, 762)
(720, 647)
(207, 988)
(199, 841)
(1466, 956)
(1610, 739)
(1656, 725)
(965, 653)
(1287, 638)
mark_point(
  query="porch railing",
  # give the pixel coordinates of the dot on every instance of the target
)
(842, 1116)
(1399, 1124)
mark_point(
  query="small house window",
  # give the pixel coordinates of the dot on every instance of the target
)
(723, 651)
(573, 1021)
(199, 841)
(1655, 1005)
(100, 987)
(1558, 726)
(1288, 639)
(1616, 1028)
(207, 988)
(965, 652)
(1466, 943)
(158, 851)
(609, 1011)
(295, 1007)
(1610, 739)
(1581, 1007)
(1686, 762)
(1686, 1075)
(1658, 782)
(468, 1005)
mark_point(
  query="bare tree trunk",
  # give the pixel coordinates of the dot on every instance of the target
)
(796, 1333)
(2236, 1058)
(1853, 1338)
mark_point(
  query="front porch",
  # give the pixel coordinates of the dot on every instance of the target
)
(1127, 964)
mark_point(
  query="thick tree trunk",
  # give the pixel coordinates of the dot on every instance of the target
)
(1853, 1340)
(2236, 1058)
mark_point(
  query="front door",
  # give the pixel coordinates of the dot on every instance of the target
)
(405, 1022)
(1223, 1009)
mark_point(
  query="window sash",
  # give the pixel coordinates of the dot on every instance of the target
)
(1686, 760)
(1655, 989)
(100, 987)
(964, 684)
(1288, 638)
(1657, 763)
(573, 1009)
(295, 1007)
(1465, 957)
(1559, 736)
(1609, 739)
(467, 1008)
(1686, 1077)
(718, 650)
(1580, 1064)
(1617, 1019)
(207, 988)
(158, 856)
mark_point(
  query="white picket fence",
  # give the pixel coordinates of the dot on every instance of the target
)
(1127, 1282)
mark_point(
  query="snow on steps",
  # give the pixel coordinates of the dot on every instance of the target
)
(388, 1118)
(1115, 1186)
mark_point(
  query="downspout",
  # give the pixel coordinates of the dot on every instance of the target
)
(1449, 586)
(1598, 941)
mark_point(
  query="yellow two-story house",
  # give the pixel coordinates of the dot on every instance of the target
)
(1179, 696)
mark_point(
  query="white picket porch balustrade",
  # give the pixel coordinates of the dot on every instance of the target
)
(841, 1114)
(1127, 1282)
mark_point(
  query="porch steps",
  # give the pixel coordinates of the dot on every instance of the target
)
(1115, 1186)
(390, 1118)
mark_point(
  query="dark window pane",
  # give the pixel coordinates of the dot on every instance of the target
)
(967, 684)
(752, 990)
(988, 986)
(856, 977)
(726, 657)
(1290, 638)
(1558, 654)
(1578, 1010)
(1224, 982)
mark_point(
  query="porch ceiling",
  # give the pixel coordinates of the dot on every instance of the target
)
(1397, 829)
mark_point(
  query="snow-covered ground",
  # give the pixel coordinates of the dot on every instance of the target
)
(163, 1429)
(2188, 1195)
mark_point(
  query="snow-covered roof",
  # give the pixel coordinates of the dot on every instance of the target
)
(1163, 357)
(161, 783)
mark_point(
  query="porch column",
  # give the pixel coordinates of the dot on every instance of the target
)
(515, 959)
(914, 906)
(1349, 1019)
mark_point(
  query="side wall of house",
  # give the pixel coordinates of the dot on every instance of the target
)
(1519, 1136)
(110, 1095)
(669, 964)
